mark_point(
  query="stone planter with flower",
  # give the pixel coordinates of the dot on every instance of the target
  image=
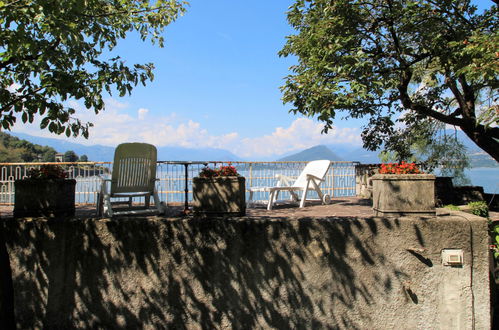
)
(403, 190)
(219, 192)
(46, 191)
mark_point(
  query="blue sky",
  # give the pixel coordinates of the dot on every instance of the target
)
(216, 85)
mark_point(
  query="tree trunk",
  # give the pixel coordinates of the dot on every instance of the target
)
(484, 140)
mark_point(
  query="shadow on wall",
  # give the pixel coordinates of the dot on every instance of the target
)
(210, 273)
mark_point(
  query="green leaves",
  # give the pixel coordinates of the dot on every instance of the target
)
(51, 52)
(378, 58)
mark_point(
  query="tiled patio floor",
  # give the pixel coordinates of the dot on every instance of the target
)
(340, 207)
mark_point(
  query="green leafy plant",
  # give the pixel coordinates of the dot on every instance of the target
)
(47, 172)
(479, 208)
(452, 207)
(494, 235)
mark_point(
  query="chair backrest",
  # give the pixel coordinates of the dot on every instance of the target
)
(134, 168)
(317, 168)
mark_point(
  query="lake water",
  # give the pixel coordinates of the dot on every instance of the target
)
(487, 177)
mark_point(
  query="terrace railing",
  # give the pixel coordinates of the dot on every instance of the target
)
(340, 181)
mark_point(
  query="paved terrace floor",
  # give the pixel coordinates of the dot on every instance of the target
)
(340, 207)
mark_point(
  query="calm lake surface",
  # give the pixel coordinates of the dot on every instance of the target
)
(487, 177)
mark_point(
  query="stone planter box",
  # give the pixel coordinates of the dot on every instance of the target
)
(219, 195)
(44, 197)
(404, 194)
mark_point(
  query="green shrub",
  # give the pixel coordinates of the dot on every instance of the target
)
(479, 208)
(452, 207)
(494, 233)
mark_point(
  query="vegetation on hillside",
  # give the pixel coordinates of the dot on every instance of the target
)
(13, 149)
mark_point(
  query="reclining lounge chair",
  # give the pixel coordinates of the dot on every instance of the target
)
(310, 178)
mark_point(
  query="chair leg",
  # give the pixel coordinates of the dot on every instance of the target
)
(250, 199)
(99, 205)
(271, 200)
(325, 198)
(161, 207)
(108, 209)
(304, 194)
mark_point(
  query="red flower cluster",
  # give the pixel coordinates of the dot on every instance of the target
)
(401, 168)
(228, 170)
(47, 172)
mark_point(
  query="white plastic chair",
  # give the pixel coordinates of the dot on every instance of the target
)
(310, 178)
(133, 175)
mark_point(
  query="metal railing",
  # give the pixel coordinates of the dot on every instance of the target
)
(340, 180)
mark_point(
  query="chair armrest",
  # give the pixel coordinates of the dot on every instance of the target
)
(311, 176)
(283, 180)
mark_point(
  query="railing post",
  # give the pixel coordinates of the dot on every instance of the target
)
(250, 174)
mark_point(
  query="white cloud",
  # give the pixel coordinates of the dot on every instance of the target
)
(142, 112)
(303, 133)
(115, 125)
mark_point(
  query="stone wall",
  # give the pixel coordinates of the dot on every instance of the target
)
(343, 273)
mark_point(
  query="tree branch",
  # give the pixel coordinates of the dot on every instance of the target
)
(15, 59)
(451, 83)
(456, 13)
(19, 98)
(405, 79)
(464, 123)
(124, 12)
(395, 38)
(469, 98)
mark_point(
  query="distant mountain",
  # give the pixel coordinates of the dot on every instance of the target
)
(351, 153)
(482, 159)
(314, 153)
(100, 153)
(97, 153)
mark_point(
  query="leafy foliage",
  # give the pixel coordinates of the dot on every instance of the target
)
(494, 235)
(452, 207)
(70, 156)
(479, 208)
(13, 149)
(400, 63)
(427, 142)
(53, 51)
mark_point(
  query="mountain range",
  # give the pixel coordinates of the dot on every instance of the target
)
(105, 153)
(335, 152)
(340, 153)
(100, 153)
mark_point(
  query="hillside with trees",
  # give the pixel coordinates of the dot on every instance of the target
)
(13, 149)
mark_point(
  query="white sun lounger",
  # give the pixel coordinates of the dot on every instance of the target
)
(310, 178)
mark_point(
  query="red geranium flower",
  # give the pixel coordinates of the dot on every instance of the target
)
(400, 168)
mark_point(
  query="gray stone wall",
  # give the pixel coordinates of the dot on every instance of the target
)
(343, 273)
